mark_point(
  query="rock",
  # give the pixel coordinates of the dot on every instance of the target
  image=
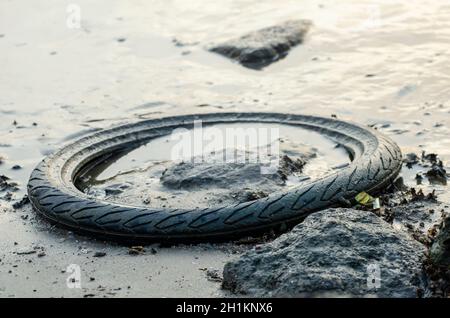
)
(437, 175)
(204, 174)
(116, 189)
(440, 250)
(258, 49)
(411, 159)
(335, 252)
(99, 254)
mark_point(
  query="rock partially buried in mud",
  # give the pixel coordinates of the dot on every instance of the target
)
(263, 47)
(335, 252)
(191, 175)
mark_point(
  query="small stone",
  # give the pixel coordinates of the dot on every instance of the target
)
(99, 254)
(258, 49)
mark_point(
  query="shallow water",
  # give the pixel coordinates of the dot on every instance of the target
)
(384, 65)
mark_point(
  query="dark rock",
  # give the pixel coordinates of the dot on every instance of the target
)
(16, 167)
(437, 175)
(116, 189)
(260, 48)
(411, 159)
(7, 185)
(431, 157)
(336, 252)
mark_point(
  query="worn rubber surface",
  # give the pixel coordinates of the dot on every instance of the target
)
(377, 161)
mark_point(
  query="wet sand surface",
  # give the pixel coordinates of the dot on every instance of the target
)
(384, 65)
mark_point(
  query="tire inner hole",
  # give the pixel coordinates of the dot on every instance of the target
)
(218, 164)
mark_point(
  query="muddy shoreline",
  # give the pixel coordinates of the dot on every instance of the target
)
(138, 61)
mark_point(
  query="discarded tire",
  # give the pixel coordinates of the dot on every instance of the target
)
(377, 161)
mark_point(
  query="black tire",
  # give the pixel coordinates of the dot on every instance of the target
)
(377, 161)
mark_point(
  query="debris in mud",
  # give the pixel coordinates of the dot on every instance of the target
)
(19, 204)
(317, 258)
(116, 189)
(6, 185)
(213, 275)
(411, 159)
(364, 198)
(437, 174)
(247, 194)
(99, 254)
(261, 48)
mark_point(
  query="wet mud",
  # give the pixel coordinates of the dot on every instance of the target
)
(384, 66)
